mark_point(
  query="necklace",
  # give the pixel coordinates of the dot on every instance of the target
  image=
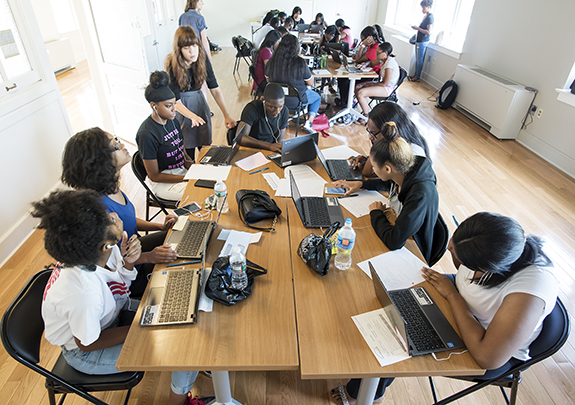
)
(276, 138)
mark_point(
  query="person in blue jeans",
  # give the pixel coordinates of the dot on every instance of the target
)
(287, 67)
(87, 309)
(422, 40)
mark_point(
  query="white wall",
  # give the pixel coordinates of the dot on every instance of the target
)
(526, 41)
(32, 138)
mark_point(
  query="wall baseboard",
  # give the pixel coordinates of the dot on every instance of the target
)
(15, 237)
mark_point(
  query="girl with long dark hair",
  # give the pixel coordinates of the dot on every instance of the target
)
(264, 54)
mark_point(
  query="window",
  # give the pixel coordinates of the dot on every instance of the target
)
(451, 20)
(16, 70)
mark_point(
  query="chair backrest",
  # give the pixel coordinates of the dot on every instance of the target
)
(22, 325)
(292, 94)
(139, 169)
(401, 79)
(440, 240)
(554, 334)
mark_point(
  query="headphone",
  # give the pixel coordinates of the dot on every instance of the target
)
(109, 246)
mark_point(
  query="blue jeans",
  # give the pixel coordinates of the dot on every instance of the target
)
(314, 101)
(420, 48)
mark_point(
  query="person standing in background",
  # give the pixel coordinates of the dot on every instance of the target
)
(194, 19)
(422, 40)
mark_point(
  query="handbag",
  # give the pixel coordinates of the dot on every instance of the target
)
(219, 285)
(255, 206)
(315, 250)
(413, 39)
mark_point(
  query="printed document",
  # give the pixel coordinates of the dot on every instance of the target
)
(397, 269)
(359, 206)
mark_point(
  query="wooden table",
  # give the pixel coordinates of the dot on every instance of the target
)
(257, 334)
(330, 345)
(333, 72)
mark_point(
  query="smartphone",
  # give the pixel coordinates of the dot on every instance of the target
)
(335, 190)
(188, 209)
(205, 183)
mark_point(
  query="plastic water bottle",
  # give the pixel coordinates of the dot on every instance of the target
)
(221, 193)
(345, 242)
(238, 267)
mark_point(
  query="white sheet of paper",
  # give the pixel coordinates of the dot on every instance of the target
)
(208, 172)
(253, 161)
(321, 72)
(272, 180)
(255, 236)
(302, 173)
(284, 189)
(236, 238)
(378, 332)
(206, 304)
(310, 183)
(359, 206)
(397, 269)
(339, 152)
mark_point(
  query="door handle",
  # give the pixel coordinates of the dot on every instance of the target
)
(14, 85)
(155, 43)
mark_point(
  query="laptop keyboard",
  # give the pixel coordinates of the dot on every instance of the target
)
(177, 293)
(191, 244)
(340, 170)
(318, 215)
(418, 328)
(221, 155)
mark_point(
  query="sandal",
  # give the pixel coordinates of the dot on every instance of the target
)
(413, 79)
(198, 401)
(339, 395)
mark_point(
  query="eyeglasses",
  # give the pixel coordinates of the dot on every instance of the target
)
(374, 134)
(117, 143)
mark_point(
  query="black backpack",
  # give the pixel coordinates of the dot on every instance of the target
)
(447, 95)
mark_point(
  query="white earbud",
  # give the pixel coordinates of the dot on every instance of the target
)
(109, 246)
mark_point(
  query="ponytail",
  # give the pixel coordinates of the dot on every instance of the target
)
(392, 148)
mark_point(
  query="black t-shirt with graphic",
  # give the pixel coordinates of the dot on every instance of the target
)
(163, 143)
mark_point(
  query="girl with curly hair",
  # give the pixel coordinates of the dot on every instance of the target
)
(87, 306)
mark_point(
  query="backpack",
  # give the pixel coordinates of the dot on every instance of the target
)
(446, 95)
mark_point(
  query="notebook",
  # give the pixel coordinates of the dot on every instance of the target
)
(315, 212)
(296, 150)
(173, 296)
(417, 319)
(222, 154)
(338, 169)
(188, 242)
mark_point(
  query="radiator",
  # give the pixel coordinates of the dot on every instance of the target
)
(61, 55)
(496, 103)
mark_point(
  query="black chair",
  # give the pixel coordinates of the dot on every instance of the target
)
(244, 51)
(259, 91)
(152, 200)
(440, 240)
(294, 103)
(21, 331)
(554, 334)
(393, 96)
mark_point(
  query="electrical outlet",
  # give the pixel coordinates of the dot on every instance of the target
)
(429, 58)
(533, 110)
(539, 113)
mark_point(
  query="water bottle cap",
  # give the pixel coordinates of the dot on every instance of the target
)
(348, 221)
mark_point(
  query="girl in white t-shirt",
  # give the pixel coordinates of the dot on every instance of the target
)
(88, 290)
(502, 293)
(389, 75)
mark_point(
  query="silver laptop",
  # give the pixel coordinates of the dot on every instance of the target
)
(188, 242)
(173, 296)
(417, 318)
(349, 67)
(296, 150)
(338, 169)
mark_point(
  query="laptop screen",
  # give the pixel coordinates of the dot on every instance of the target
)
(321, 158)
(296, 196)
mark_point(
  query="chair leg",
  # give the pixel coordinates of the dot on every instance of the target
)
(128, 396)
(514, 388)
(432, 386)
(52, 395)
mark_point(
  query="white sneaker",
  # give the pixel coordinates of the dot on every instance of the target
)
(308, 126)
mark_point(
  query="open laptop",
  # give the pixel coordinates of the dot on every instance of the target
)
(315, 212)
(417, 319)
(338, 169)
(302, 28)
(349, 67)
(173, 296)
(222, 154)
(188, 242)
(296, 150)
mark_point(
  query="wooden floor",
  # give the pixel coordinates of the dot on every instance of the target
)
(475, 172)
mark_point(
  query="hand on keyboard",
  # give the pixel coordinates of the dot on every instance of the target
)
(163, 254)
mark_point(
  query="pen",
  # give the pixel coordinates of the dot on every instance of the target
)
(351, 195)
(261, 170)
(183, 263)
(455, 220)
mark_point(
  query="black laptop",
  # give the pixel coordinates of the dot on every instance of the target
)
(222, 155)
(296, 150)
(338, 169)
(417, 319)
(316, 212)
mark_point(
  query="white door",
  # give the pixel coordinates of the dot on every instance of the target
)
(116, 56)
(164, 15)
